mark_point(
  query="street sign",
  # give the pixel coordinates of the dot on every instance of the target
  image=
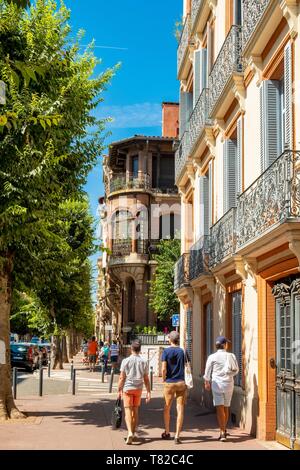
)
(175, 320)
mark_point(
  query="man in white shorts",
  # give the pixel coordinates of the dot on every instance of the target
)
(221, 367)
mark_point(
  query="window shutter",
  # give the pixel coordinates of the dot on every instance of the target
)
(189, 329)
(288, 97)
(203, 68)
(230, 157)
(183, 113)
(197, 75)
(270, 122)
(210, 194)
(239, 155)
(237, 333)
(197, 206)
(204, 205)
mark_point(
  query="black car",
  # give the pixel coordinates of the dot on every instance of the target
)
(21, 356)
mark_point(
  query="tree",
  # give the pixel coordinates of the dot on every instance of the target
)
(163, 299)
(46, 151)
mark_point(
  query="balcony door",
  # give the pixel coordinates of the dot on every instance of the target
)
(287, 301)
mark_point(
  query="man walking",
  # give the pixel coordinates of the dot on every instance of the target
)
(173, 361)
(92, 353)
(221, 367)
(114, 354)
(134, 372)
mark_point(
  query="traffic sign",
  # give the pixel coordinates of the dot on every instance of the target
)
(175, 320)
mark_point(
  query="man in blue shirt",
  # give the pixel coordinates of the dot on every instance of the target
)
(173, 362)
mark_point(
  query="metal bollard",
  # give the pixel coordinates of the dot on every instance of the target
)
(15, 382)
(151, 378)
(111, 381)
(102, 373)
(41, 380)
(72, 369)
(49, 365)
(74, 382)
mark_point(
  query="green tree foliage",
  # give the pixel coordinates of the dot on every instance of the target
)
(163, 300)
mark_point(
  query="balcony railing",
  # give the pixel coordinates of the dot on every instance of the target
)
(182, 153)
(272, 199)
(199, 258)
(121, 247)
(199, 118)
(223, 238)
(229, 61)
(184, 42)
(124, 182)
(196, 6)
(182, 272)
(253, 11)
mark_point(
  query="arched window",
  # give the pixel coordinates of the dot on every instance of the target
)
(131, 301)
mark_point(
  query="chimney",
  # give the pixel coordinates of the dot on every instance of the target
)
(170, 120)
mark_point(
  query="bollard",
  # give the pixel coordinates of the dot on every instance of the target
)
(41, 381)
(151, 378)
(74, 382)
(102, 373)
(72, 369)
(111, 381)
(15, 381)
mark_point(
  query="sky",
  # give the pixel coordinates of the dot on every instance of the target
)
(140, 35)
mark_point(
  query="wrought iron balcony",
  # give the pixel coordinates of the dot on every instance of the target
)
(196, 6)
(253, 12)
(199, 118)
(182, 153)
(122, 247)
(223, 238)
(228, 62)
(182, 272)
(271, 200)
(125, 182)
(183, 43)
(199, 258)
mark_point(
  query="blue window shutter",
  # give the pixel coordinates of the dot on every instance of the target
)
(204, 205)
(197, 75)
(229, 174)
(270, 121)
(288, 97)
(239, 155)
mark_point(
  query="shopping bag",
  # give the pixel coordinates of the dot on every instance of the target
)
(116, 417)
(188, 377)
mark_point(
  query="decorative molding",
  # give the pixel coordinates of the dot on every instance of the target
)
(251, 267)
(239, 267)
(256, 64)
(239, 90)
(290, 10)
(221, 280)
(294, 246)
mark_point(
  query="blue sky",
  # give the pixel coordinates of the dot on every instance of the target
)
(140, 35)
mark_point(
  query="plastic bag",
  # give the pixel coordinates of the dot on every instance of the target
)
(116, 417)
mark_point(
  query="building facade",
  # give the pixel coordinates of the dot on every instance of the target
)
(141, 206)
(238, 174)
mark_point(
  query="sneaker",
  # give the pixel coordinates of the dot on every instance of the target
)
(223, 437)
(129, 440)
(177, 440)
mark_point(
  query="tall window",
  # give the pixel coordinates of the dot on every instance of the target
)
(131, 301)
(135, 166)
(236, 331)
(166, 226)
(122, 225)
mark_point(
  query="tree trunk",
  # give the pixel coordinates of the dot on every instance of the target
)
(64, 349)
(8, 408)
(57, 352)
(69, 344)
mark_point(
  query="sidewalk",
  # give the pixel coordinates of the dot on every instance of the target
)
(66, 422)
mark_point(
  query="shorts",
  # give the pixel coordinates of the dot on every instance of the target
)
(114, 359)
(132, 398)
(92, 357)
(175, 389)
(222, 398)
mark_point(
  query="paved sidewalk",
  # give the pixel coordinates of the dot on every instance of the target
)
(66, 422)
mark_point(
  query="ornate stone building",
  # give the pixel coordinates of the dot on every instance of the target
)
(141, 206)
(238, 171)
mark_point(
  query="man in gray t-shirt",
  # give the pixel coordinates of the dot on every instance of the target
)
(134, 373)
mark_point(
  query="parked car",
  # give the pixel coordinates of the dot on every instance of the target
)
(35, 340)
(21, 355)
